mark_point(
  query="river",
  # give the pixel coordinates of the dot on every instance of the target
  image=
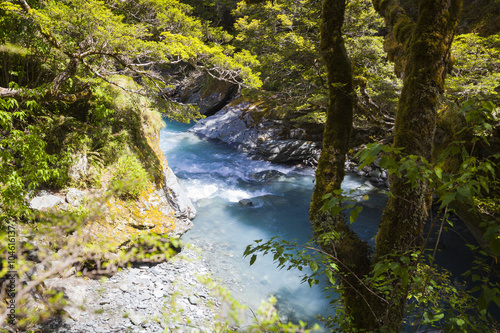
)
(216, 177)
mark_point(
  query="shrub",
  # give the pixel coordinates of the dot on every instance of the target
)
(129, 177)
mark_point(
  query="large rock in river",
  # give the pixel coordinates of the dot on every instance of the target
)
(177, 197)
(241, 124)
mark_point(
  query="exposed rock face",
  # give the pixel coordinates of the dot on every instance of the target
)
(208, 93)
(79, 168)
(74, 290)
(75, 197)
(236, 125)
(266, 176)
(177, 197)
(246, 203)
(163, 208)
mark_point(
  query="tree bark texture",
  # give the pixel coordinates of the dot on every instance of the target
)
(427, 51)
(347, 248)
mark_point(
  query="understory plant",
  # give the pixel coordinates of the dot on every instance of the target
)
(129, 177)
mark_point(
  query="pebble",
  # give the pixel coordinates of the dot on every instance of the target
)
(136, 299)
(193, 300)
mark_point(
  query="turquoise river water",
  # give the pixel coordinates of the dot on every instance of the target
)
(216, 177)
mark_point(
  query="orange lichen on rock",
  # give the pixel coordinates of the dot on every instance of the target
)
(126, 220)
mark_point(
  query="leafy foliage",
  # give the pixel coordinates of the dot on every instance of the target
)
(434, 300)
(129, 177)
(26, 162)
(476, 67)
(285, 37)
(70, 70)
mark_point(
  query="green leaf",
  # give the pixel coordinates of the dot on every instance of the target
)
(354, 213)
(495, 247)
(464, 191)
(405, 260)
(497, 300)
(247, 250)
(369, 154)
(314, 266)
(439, 316)
(447, 199)
(329, 275)
(394, 265)
(439, 173)
(252, 260)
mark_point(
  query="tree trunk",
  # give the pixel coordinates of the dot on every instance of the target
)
(427, 49)
(347, 248)
(415, 125)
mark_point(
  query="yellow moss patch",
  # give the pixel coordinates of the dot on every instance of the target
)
(126, 220)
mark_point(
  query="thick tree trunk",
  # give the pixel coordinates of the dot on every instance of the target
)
(427, 49)
(347, 248)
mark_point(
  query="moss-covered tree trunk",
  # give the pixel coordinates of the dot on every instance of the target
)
(427, 45)
(347, 248)
(428, 52)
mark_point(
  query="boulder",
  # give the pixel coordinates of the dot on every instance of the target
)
(79, 167)
(44, 200)
(75, 197)
(375, 173)
(74, 290)
(266, 176)
(285, 151)
(239, 125)
(31, 306)
(270, 200)
(206, 92)
(246, 203)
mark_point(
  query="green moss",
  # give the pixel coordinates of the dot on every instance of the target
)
(14, 49)
(403, 30)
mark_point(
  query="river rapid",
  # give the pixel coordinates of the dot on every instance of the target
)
(216, 177)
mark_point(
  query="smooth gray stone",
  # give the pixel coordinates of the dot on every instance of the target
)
(45, 202)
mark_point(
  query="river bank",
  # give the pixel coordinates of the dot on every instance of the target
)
(170, 296)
